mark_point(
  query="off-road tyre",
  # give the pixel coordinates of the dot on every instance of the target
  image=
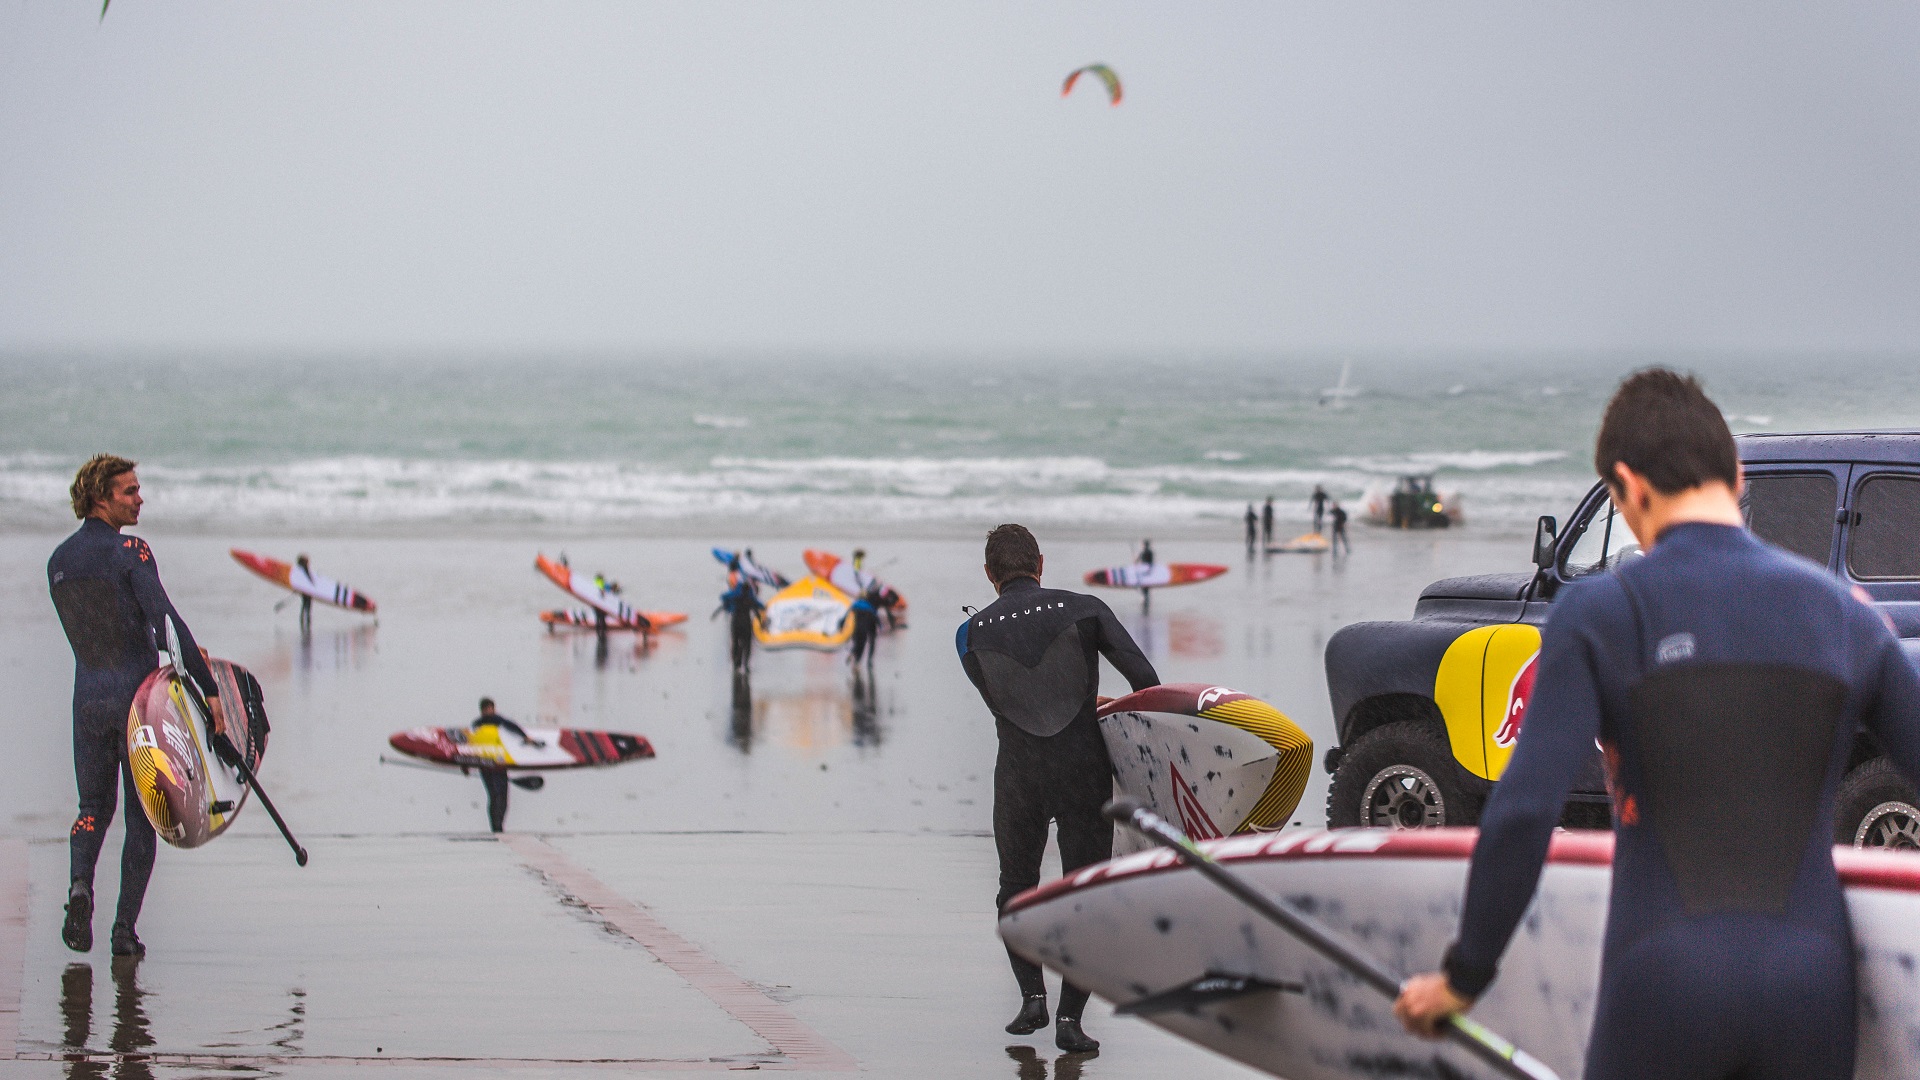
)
(1877, 808)
(1407, 772)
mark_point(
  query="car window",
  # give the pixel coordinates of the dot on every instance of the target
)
(1885, 542)
(1793, 511)
(1604, 540)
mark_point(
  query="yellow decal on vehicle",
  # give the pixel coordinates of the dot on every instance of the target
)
(1513, 654)
(1458, 690)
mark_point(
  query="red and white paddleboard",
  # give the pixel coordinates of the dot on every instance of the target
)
(1156, 576)
(582, 618)
(544, 748)
(826, 564)
(1143, 925)
(305, 582)
(582, 586)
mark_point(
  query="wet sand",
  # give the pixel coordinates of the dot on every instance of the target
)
(801, 881)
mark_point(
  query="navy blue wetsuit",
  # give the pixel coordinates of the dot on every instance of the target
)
(1724, 680)
(107, 589)
(1034, 656)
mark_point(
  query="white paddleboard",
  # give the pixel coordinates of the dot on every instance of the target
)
(1210, 759)
(1142, 925)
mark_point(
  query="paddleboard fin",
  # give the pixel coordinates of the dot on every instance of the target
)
(1208, 989)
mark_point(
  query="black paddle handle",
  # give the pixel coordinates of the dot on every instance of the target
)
(227, 751)
(1476, 1039)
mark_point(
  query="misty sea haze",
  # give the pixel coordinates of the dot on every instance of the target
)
(923, 445)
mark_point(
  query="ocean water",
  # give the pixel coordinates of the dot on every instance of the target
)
(916, 444)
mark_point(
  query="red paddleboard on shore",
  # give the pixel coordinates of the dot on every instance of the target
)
(583, 619)
(493, 747)
(1156, 938)
(1156, 576)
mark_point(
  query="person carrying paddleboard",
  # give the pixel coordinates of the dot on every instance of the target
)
(1724, 679)
(1034, 655)
(743, 604)
(114, 610)
(495, 780)
(865, 614)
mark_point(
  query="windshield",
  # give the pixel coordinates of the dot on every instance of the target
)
(1603, 542)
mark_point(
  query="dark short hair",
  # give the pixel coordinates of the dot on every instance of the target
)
(1661, 424)
(1012, 552)
(486, 703)
(94, 482)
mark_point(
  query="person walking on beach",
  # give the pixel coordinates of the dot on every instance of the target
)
(1318, 501)
(1724, 680)
(1266, 523)
(743, 606)
(1034, 655)
(306, 602)
(1340, 530)
(495, 780)
(865, 614)
(1253, 526)
(106, 587)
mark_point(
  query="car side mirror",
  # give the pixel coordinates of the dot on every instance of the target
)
(1545, 533)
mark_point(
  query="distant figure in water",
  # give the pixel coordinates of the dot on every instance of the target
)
(742, 603)
(1340, 531)
(495, 780)
(306, 602)
(1319, 502)
(1253, 527)
(865, 614)
(1266, 522)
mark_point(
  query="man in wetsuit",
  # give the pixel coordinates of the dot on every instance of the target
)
(865, 614)
(1253, 528)
(1340, 530)
(306, 602)
(114, 610)
(1725, 680)
(495, 780)
(1034, 656)
(1266, 523)
(1319, 503)
(742, 604)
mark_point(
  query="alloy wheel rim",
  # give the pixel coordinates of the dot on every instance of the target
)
(1403, 797)
(1892, 824)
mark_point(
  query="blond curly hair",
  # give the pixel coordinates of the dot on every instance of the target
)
(94, 481)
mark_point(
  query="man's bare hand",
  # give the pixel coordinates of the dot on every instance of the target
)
(218, 714)
(1427, 1000)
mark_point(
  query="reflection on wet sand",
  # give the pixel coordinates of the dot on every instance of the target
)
(831, 706)
(1029, 1065)
(1186, 634)
(131, 1032)
(310, 653)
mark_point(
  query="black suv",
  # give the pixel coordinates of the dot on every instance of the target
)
(1427, 709)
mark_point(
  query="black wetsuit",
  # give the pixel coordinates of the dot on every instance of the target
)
(1034, 656)
(1340, 531)
(742, 603)
(1266, 523)
(1725, 680)
(866, 626)
(106, 587)
(495, 780)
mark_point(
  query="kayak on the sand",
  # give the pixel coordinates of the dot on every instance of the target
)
(186, 790)
(1213, 761)
(1153, 575)
(544, 748)
(303, 581)
(1144, 925)
(583, 618)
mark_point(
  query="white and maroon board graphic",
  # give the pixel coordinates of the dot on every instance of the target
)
(1143, 925)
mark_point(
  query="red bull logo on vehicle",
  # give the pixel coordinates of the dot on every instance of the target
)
(1518, 695)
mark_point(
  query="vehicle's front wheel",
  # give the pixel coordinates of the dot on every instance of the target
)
(1877, 808)
(1400, 776)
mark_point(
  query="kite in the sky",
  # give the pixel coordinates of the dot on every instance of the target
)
(1106, 76)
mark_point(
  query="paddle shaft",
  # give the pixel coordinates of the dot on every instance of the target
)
(219, 742)
(1469, 1034)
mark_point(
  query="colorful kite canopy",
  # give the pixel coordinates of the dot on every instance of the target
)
(1106, 76)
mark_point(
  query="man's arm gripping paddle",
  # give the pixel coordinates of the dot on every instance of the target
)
(1489, 1047)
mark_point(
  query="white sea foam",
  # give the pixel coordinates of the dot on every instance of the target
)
(706, 420)
(1067, 490)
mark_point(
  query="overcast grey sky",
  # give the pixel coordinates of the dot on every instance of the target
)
(894, 177)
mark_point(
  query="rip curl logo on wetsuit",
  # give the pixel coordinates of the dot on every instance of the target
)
(1017, 614)
(1518, 695)
(1674, 648)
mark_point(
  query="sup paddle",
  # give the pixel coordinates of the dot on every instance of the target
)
(1470, 1034)
(222, 748)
